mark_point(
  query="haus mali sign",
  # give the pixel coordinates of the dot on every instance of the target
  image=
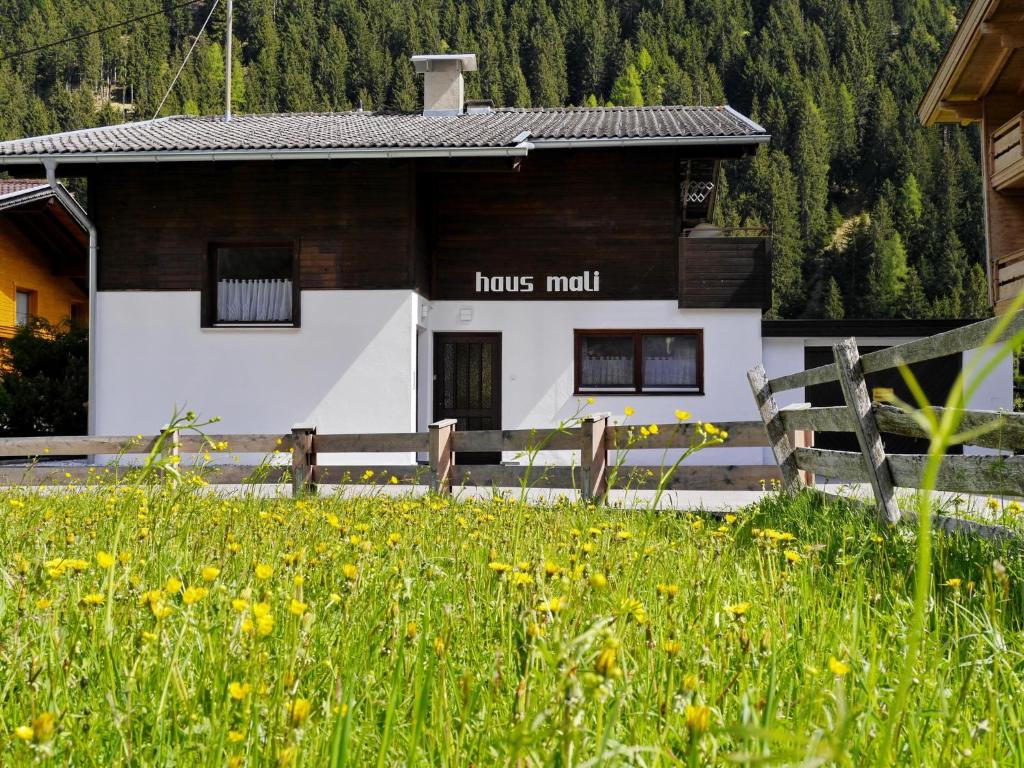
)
(587, 282)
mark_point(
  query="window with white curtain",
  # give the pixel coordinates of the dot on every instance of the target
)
(253, 284)
(640, 361)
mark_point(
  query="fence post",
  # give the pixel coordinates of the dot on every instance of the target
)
(171, 445)
(778, 438)
(855, 392)
(442, 455)
(303, 460)
(594, 456)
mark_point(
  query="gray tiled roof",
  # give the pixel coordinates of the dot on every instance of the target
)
(499, 128)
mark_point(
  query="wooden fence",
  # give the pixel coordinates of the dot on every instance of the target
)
(988, 475)
(594, 441)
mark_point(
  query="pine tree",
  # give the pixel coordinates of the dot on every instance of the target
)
(975, 303)
(913, 302)
(834, 301)
(888, 263)
(810, 164)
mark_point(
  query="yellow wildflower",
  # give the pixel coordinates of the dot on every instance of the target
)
(104, 559)
(410, 630)
(628, 411)
(209, 573)
(499, 567)
(792, 556)
(239, 604)
(299, 711)
(520, 579)
(238, 691)
(738, 609)
(606, 664)
(264, 571)
(235, 736)
(194, 595)
(439, 646)
(554, 605)
(690, 682)
(43, 603)
(672, 647)
(24, 732)
(837, 667)
(653, 429)
(173, 586)
(682, 415)
(93, 598)
(297, 607)
(350, 571)
(669, 591)
(598, 581)
(954, 583)
(698, 718)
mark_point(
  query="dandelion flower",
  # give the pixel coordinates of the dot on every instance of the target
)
(299, 711)
(24, 732)
(682, 415)
(296, 607)
(520, 579)
(410, 630)
(837, 667)
(43, 603)
(554, 605)
(690, 682)
(93, 598)
(235, 736)
(653, 429)
(264, 571)
(672, 647)
(350, 571)
(954, 583)
(209, 573)
(439, 646)
(792, 556)
(193, 595)
(239, 604)
(499, 567)
(238, 691)
(623, 535)
(104, 559)
(628, 411)
(173, 586)
(606, 664)
(598, 581)
(738, 609)
(698, 718)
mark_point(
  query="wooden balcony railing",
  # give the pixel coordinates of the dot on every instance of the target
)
(724, 268)
(1007, 156)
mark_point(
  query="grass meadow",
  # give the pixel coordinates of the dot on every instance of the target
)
(168, 626)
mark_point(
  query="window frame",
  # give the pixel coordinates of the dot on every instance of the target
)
(208, 303)
(638, 360)
(33, 305)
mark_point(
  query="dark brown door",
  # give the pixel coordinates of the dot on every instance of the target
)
(467, 385)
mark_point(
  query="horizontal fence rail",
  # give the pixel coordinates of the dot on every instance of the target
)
(1000, 475)
(303, 457)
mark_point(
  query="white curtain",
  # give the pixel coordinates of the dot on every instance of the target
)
(608, 371)
(669, 371)
(254, 301)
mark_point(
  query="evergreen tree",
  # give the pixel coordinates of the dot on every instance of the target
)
(626, 91)
(834, 301)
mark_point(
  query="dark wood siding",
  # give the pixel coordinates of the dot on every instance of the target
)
(720, 272)
(351, 221)
(563, 213)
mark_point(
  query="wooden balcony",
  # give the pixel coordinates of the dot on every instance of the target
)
(1009, 278)
(1007, 157)
(724, 268)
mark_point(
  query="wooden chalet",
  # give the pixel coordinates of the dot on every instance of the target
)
(43, 255)
(981, 80)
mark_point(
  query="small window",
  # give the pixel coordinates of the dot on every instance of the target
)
(253, 285)
(24, 306)
(652, 362)
(79, 313)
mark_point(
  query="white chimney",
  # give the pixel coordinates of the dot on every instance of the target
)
(443, 92)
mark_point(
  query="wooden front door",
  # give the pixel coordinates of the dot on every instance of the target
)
(467, 385)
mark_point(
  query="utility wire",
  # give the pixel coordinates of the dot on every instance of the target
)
(101, 30)
(185, 60)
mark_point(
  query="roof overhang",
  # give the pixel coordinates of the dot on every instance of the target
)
(520, 148)
(989, 35)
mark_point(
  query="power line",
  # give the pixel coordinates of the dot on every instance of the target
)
(185, 60)
(99, 31)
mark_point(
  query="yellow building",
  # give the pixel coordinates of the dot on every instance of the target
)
(43, 257)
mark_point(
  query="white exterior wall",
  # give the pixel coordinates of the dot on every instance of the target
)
(349, 368)
(784, 355)
(537, 359)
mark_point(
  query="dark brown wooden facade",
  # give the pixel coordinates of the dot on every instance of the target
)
(426, 225)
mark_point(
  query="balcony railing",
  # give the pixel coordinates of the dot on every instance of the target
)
(724, 268)
(1007, 154)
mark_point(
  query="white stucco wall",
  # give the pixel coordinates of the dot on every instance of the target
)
(784, 355)
(537, 363)
(349, 368)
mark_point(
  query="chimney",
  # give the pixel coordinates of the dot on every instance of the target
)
(443, 94)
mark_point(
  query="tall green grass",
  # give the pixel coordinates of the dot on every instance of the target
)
(403, 631)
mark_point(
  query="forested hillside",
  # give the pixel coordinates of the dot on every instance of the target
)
(872, 215)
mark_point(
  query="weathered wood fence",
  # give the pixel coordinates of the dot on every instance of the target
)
(594, 440)
(990, 475)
